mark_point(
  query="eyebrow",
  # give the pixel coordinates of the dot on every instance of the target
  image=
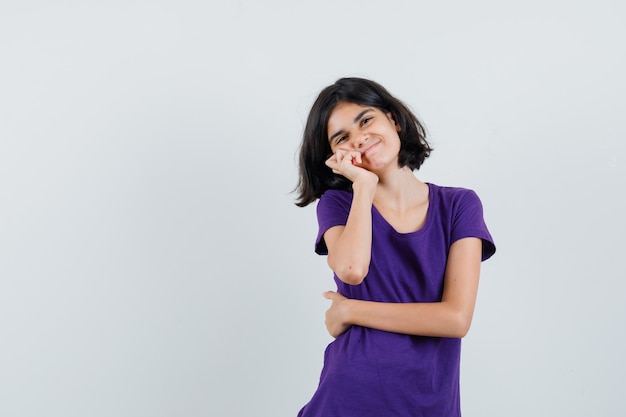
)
(356, 119)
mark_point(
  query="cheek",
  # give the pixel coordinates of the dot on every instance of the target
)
(397, 142)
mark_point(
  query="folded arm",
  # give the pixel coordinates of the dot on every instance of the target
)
(451, 317)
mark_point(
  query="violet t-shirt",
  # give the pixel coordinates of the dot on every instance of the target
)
(370, 372)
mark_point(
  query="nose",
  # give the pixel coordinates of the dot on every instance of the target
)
(359, 141)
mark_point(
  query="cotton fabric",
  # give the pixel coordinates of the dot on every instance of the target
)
(369, 372)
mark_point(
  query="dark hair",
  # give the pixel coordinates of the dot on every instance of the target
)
(315, 177)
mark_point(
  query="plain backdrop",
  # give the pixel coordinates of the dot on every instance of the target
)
(152, 262)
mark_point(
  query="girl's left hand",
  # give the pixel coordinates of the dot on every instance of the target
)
(336, 322)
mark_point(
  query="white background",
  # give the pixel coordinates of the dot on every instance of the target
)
(152, 262)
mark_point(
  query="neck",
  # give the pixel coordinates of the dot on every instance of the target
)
(400, 189)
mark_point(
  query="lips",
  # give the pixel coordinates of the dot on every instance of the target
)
(370, 148)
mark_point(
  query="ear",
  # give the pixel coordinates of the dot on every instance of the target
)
(392, 120)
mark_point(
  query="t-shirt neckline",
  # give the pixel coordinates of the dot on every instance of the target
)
(427, 222)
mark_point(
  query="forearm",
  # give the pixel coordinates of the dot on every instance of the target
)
(451, 317)
(349, 252)
(439, 319)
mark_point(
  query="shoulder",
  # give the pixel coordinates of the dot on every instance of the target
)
(335, 205)
(461, 212)
(454, 196)
(332, 193)
(333, 209)
(335, 197)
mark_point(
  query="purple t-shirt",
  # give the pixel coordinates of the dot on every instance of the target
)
(370, 372)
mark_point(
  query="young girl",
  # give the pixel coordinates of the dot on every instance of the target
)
(405, 254)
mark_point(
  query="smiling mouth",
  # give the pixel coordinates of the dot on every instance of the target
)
(366, 151)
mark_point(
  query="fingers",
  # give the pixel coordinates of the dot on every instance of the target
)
(333, 296)
(352, 157)
(342, 161)
(331, 162)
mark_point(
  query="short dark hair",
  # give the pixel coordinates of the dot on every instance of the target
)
(315, 177)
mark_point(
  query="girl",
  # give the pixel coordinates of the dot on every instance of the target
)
(405, 255)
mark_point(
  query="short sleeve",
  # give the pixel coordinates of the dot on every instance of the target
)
(332, 210)
(468, 221)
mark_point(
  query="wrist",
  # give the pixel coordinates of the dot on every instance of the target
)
(365, 185)
(348, 311)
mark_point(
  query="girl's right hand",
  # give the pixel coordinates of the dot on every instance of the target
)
(348, 164)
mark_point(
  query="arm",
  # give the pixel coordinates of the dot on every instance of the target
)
(350, 246)
(451, 317)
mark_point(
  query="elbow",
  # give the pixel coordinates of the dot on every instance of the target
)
(351, 275)
(462, 332)
(460, 327)
(352, 272)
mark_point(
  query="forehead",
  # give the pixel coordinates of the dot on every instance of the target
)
(344, 113)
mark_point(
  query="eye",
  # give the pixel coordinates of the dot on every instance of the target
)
(366, 120)
(340, 139)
